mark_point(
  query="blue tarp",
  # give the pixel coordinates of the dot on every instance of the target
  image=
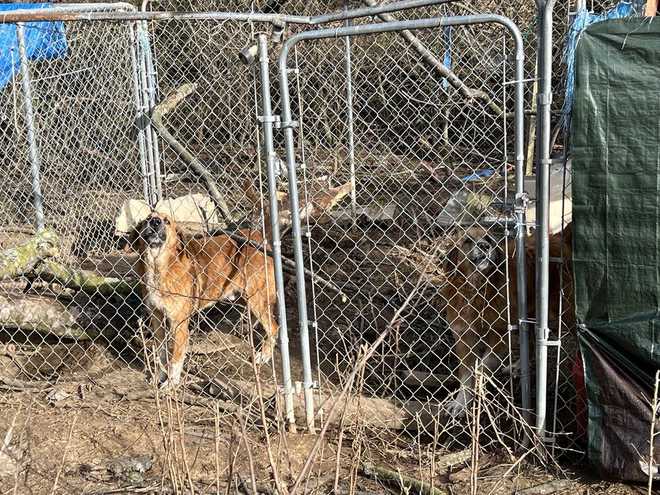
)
(582, 20)
(43, 41)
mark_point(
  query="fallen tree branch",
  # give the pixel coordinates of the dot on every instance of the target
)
(407, 483)
(83, 280)
(24, 257)
(16, 385)
(157, 114)
(431, 61)
(46, 316)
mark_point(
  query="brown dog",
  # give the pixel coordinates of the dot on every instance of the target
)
(477, 305)
(179, 278)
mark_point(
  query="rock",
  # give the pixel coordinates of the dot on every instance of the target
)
(193, 211)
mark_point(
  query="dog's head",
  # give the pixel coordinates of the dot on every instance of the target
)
(476, 250)
(156, 231)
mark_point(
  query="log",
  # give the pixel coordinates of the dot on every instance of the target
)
(46, 316)
(360, 410)
(31, 259)
(86, 281)
(317, 207)
(23, 258)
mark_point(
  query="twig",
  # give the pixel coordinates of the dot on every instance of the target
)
(654, 413)
(157, 114)
(179, 418)
(217, 449)
(476, 428)
(246, 441)
(281, 488)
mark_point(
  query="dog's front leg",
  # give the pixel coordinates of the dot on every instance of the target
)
(465, 348)
(179, 349)
(456, 407)
(159, 333)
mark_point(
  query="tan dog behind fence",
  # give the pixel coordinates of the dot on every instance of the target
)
(477, 305)
(180, 277)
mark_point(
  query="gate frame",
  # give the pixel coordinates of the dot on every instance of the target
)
(520, 197)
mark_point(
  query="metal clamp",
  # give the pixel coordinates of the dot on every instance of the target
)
(521, 202)
(269, 119)
(544, 99)
(291, 124)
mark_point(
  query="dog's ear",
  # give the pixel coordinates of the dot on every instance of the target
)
(182, 238)
(133, 238)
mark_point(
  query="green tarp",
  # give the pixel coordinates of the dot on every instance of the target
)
(616, 220)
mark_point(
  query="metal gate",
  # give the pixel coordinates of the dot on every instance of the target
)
(353, 302)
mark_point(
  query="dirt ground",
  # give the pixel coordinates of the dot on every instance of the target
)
(108, 435)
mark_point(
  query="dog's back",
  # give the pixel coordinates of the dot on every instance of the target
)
(224, 266)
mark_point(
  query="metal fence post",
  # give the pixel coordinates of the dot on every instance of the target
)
(139, 113)
(303, 323)
(543, 216)
(267, 121)
(150, 70)
(35, 159)
(349, 116)
(147, 104)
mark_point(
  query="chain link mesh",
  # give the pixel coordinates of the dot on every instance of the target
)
(416, 142)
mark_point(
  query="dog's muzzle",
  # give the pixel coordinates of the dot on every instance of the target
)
(482, 255)
(154, 232)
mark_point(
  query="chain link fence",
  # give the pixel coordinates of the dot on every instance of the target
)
(405, 177)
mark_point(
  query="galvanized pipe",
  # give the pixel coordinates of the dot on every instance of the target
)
(150, 72)
(139, 112)
(521, 234)
(303, 323)
(543, 217)
(267, 121)
(288, 125)
(35, 159)
(143, 44)
(348, 67)
(75, 15)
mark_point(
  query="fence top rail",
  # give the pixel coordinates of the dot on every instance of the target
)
(70, 8)
(76, 12)
(385, 27)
